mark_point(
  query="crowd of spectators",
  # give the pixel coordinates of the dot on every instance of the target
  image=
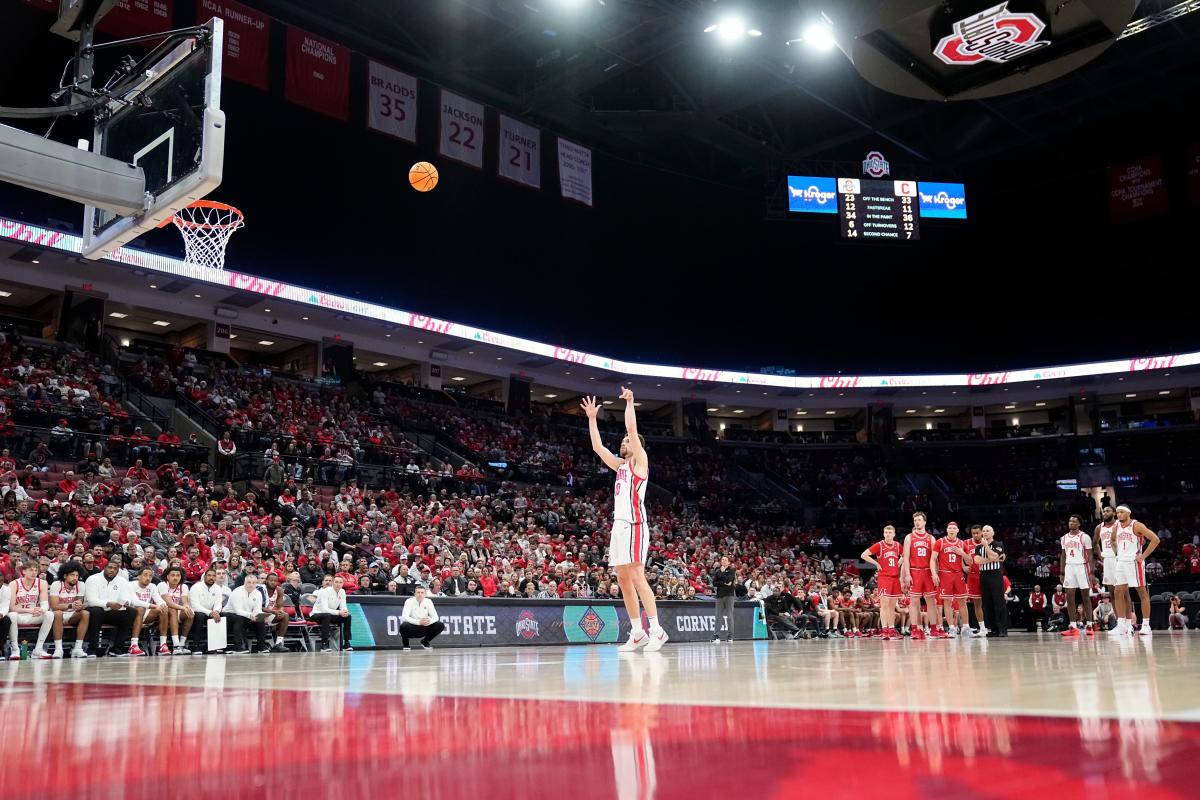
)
(309, 515)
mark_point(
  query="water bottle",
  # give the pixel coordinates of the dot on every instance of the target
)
(1039, 626)
(24, 651)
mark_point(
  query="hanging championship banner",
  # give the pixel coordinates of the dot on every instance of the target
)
(462, 129)
(1137, 190)
(392, 102)
(575, 171)
(520, 152)
(247, 40)
(318, 73)
(130, 18)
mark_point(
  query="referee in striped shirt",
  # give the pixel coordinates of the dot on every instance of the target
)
(989, 555)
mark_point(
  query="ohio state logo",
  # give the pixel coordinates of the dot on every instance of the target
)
(527, 625)
(876, 165)
(997, 35)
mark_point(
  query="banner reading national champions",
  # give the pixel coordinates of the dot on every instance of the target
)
(478, 622)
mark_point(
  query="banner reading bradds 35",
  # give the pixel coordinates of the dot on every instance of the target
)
(478, 622)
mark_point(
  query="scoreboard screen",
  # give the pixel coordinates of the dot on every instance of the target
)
(878, 210)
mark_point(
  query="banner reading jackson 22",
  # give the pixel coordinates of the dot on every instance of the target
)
(476, 622)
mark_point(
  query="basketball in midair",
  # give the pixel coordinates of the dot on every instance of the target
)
(423, 176)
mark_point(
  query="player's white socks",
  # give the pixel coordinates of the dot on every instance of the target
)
(162, 641)
(653, 623)
(178, 641)
(278, 640)
(58, 648)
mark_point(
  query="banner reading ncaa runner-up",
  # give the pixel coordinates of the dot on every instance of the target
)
(478, 622)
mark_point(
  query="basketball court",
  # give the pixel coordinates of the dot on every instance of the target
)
(764, 719)
(824, 719)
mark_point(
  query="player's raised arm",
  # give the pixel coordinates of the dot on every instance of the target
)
(591, 408)
(635, 442)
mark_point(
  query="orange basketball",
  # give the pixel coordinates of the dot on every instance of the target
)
(423, 176)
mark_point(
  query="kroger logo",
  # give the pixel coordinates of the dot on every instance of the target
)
(947, 200)
(527, 625)
(812, 195)
(944, 200)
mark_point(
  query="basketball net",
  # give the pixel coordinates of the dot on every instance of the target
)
(206, 226)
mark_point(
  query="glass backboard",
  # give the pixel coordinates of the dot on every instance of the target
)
(165, 118)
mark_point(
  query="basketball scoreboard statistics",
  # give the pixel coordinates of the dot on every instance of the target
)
(878, 209)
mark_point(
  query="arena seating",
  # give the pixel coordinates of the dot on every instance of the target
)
(416, 488)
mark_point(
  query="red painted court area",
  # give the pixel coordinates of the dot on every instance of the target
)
(63, 740)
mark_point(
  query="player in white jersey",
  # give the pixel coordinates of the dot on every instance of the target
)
(1131, 562)
(1131, 569)
(630, 541)
(174, 594)
(148, 608)
(29, 605)
(1075, 566)
(1105, 544)
(66, 603)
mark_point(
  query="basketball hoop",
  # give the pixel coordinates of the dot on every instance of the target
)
(206, 226)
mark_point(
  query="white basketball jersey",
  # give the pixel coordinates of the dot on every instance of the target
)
(630, 496)
(1106, 540)
(1073, 546)
(67, 595)
(1129, 544)
(27, 597)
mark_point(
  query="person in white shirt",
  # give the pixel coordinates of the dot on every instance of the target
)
(246, 605)
(419, 620)
(207, 599)
(148, 608)
(29, 605)
(174, 594)
(17, 489)
(66, 603)
(104, 596)
(330, 608)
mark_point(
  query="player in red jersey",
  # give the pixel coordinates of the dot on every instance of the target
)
(917, 579)
(949, 560)
(886, 556)
(974, 593)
